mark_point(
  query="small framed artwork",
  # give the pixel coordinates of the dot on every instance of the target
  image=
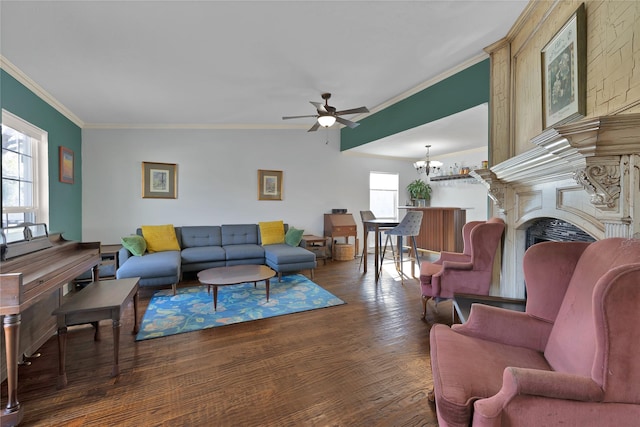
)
(66, 165)
(159, 180)
(269, 185)
(564, 72)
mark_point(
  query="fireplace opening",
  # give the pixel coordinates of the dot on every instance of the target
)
(554, 230)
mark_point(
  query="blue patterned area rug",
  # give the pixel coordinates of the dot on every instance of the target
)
(192, 308)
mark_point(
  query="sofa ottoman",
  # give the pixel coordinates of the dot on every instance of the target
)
(284, 258)
(156, 269)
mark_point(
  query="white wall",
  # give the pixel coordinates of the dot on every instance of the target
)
(467, 193)
(217, 179)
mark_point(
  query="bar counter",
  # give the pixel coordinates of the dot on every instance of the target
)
(441, 228)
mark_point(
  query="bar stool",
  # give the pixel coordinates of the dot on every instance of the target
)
(409, 227)
(367, 216)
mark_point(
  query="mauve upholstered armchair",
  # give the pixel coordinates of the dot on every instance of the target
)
(468, 272)
(571, 359)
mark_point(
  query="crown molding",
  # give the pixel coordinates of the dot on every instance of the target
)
(26, 81)
(422, 86)
(197, 126)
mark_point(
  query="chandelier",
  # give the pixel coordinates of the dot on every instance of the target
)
(426, 164)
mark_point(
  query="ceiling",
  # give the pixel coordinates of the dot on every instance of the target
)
(467, 130)
(242, 64)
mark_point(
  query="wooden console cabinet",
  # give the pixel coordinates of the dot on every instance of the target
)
(441, 228)
(340, 225)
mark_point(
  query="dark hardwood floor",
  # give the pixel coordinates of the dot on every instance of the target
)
(365, 363)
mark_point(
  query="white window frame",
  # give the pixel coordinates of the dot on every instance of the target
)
(395, 191)
(40, 152)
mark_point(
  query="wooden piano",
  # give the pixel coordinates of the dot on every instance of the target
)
(33, 271)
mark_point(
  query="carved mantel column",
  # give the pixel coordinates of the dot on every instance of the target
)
(610, 146)
(496, 188)
(602, 182)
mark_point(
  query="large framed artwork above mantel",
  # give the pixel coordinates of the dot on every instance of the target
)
(564, 72)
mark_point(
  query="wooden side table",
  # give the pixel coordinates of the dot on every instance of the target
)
(106, 269)
(109, 262)
(462, 304)
(317, 245)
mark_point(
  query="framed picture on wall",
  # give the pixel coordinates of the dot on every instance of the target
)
(269, 185)
(159, 180)
(66, 165)
(564, 72)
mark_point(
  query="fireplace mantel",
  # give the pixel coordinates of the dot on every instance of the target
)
(586, 172)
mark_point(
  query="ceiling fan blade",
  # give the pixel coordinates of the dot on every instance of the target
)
(347, 122)
(298, 117)
(319, 106)
(353, 111)
(315, 127)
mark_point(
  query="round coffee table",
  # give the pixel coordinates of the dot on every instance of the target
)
(234, 275)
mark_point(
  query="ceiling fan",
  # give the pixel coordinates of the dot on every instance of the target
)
(327, 115)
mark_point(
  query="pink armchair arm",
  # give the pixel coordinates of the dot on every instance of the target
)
(452, 256)
(467, 272)
(523, 383)
(487, 322)
(450, 262)
(452, 265)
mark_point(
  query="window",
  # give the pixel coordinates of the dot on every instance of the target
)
(25, 186)
(383, 195)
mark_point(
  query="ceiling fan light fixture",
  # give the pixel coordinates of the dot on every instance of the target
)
(327, 115)
(326, 121)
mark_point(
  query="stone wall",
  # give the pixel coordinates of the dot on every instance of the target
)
(612, 62)
(585, 172)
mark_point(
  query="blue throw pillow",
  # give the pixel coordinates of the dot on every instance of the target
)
(293, 236)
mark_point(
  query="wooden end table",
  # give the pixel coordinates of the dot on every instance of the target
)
(317, 245)
(234, 275)
(101, 300)
(462, 304)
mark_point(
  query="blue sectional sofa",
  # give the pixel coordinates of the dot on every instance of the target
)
(203, 247)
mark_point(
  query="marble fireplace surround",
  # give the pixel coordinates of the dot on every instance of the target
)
(586, 173)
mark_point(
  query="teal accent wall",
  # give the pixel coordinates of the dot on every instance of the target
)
(461, 91)
(65, 200)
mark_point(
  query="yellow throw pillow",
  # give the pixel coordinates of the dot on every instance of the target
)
(271, 232)
(160, 238)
